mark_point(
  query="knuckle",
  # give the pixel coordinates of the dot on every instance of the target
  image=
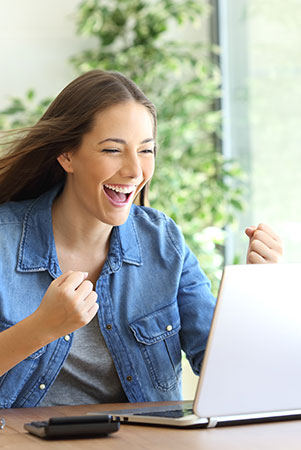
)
(64, 290)
(88, 284)
(80, 318)
(252, 257)
(94, 295)
(81, 323)
(74, 310)
(257, 234)
(93, 310)
(261, 227)
(255, 244)
(84, 320)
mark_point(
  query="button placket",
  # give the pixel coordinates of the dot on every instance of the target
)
(111, 334)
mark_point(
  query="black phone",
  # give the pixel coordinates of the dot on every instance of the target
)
(74, 427)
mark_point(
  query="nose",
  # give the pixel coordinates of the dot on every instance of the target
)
(131, 166)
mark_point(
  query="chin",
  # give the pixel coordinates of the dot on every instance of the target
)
(115, 221)
(119, 222)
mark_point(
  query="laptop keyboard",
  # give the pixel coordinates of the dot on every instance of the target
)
(175, 413)
(176, 410)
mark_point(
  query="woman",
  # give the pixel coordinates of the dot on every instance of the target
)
(81, 265)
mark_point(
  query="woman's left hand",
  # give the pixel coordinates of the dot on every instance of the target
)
(265, 247)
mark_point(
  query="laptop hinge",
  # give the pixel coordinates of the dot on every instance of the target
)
(212, 422)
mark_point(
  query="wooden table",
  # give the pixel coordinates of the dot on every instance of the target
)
(274, 436)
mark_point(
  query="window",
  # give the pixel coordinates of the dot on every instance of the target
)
(261, 66)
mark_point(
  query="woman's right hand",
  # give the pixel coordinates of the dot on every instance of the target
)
(68, 304)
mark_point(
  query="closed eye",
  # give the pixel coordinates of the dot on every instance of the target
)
(148, 150)
(110, 150)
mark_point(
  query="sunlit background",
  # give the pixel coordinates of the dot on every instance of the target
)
(261, 61)
(249, 48)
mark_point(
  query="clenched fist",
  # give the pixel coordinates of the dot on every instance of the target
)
(264, 246)
(68, 304)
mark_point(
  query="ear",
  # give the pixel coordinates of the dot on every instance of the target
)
(65, 161)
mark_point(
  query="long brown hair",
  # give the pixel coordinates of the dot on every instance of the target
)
(30, 165)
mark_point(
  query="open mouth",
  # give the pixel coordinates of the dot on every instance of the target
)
(119, 195)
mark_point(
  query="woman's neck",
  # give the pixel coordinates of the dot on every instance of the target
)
(81, 244)
(74, 230)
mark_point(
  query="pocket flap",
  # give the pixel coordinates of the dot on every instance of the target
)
(158, 325)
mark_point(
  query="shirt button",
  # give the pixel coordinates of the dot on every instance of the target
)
(129, 378)
(109, 327)
(169, 328)
(67, 337)
(42, 386)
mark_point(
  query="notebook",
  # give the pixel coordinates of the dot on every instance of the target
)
(252, 366)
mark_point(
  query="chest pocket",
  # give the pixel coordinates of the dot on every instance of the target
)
(157, 335)
(13, 381)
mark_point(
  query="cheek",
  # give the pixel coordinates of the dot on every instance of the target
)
(149, 168)
(93, 171)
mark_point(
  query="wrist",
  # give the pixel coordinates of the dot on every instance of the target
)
(42, 332)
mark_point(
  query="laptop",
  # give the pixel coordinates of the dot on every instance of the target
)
(252, 365)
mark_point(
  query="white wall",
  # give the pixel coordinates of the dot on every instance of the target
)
(36, 39)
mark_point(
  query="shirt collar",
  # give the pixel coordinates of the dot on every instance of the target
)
(37, 247)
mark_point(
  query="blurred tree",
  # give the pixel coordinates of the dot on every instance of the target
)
(193, 183)
(23, 112)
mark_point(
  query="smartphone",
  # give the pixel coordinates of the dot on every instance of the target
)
(74, 427)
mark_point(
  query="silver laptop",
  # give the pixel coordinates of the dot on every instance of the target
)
(252, 366)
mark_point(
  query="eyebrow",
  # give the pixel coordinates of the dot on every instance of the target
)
(122, 141)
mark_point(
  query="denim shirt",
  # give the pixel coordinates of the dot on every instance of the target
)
(154, 300)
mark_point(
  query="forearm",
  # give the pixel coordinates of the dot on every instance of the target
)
(69, 304)
(20, 341)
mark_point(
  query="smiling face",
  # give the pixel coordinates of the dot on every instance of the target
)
(113, 163)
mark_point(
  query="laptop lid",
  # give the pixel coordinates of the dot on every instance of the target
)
(252, 362)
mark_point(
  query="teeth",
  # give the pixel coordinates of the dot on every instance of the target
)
(124, 190)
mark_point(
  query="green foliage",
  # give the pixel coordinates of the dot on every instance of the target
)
(23, 112)
(193, 183)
